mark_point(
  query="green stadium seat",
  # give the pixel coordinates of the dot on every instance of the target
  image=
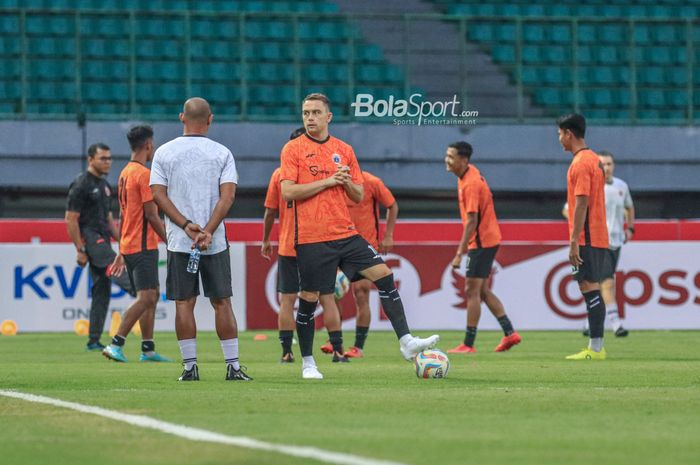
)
(506, 54)
(369, 74)
(480, 32)
(10, 69)
(505, 32)
(9, 23)
(269, 51)
(530, 76)
(597, 114)
(647, 114)
(650, 76)
(598, 97)
(11, 90)
(676, 98)
(559, 33)
(261, 94)
(587, 34)
(104, 26)
(534, 33)
(651, 98)
(561, 76)
(261, 30)
(215, 71)
(161, 27)
(612, 34)
(369, 53)
(677, 76)
(51, 69)
(267, 72)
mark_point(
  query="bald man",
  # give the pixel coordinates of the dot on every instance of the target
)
(193, 180)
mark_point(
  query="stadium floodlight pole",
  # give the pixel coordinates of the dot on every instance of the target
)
(82, 124)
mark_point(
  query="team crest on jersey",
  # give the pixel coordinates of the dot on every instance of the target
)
(336, 158)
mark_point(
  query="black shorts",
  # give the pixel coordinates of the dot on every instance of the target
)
(142, 269)
(318, 262)
(480, 262)
(611, 263)
(595, 264)
(287, 275)
(215, 271)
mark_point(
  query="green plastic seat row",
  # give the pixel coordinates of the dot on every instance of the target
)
(551, 9)
(181, 5)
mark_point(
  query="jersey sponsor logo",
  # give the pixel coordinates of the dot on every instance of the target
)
(315, 170)
(336, 158)
(310, 155)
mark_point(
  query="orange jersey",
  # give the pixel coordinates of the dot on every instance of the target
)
(324, 216)
(475, 197)
(365, 214)
(134, 190)
(274, 200)
(586, 177)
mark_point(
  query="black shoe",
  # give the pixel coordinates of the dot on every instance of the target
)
(94, 345)
(287, 358)
(586, 332)
(190, 375)
(340, 358)
(237, 375)
(621, 332)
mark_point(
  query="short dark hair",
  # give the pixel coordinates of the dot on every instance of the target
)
(297, 132)
(464, 149)
(138, 136)
(92, 150)
(318, 96)
(605, 153)
(575, 123)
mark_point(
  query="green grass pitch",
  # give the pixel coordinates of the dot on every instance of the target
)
(527, 406)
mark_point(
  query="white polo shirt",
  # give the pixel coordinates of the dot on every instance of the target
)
(193, 168)
(617, 198)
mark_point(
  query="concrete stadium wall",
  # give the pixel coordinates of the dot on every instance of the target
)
(37, 154)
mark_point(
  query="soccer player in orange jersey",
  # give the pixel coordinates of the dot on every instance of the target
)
(288, 272)
(318, 173)
(588, 231)
(480, 241)
(138, 247)
(365, 216)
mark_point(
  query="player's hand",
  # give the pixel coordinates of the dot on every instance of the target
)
(628, 235)
(457, 261)
(386, 245)
(82, 259)
(574, 254)
(202, 240)
(266, 250)
(193, 230)
(118, 266)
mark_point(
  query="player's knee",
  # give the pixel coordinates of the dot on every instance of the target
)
(149, 297)
(310, 296)
(386, 283)
(473, 288)
(221, 304)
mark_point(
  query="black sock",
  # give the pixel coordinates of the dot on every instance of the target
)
(391, 303)
(470, 336)
(147, 345)
(336, 338)
(305, 326)
(118, 341)
(361, 336)
(506, 325)
(286, 341)
(596, 313)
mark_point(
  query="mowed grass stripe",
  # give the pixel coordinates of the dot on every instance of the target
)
(197, 434)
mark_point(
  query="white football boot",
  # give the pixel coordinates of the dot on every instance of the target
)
(411, 346)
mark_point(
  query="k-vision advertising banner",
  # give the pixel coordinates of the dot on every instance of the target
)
(43, 289)
(658, 287)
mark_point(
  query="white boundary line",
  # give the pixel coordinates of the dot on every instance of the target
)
(196, 434)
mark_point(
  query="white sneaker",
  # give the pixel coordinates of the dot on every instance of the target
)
(417, 345)
(311, 372)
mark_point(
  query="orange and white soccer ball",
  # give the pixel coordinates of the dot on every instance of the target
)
(432, 363)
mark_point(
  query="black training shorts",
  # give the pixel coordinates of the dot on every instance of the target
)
(611, 263)
(480, 262)
(214, 269)
(142, 268)
(287, 275)
(318, 262)
(594, 266)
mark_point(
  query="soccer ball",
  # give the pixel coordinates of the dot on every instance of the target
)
(342, 285)
(432, 363)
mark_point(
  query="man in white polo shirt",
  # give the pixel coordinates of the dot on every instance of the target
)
(194, 182)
